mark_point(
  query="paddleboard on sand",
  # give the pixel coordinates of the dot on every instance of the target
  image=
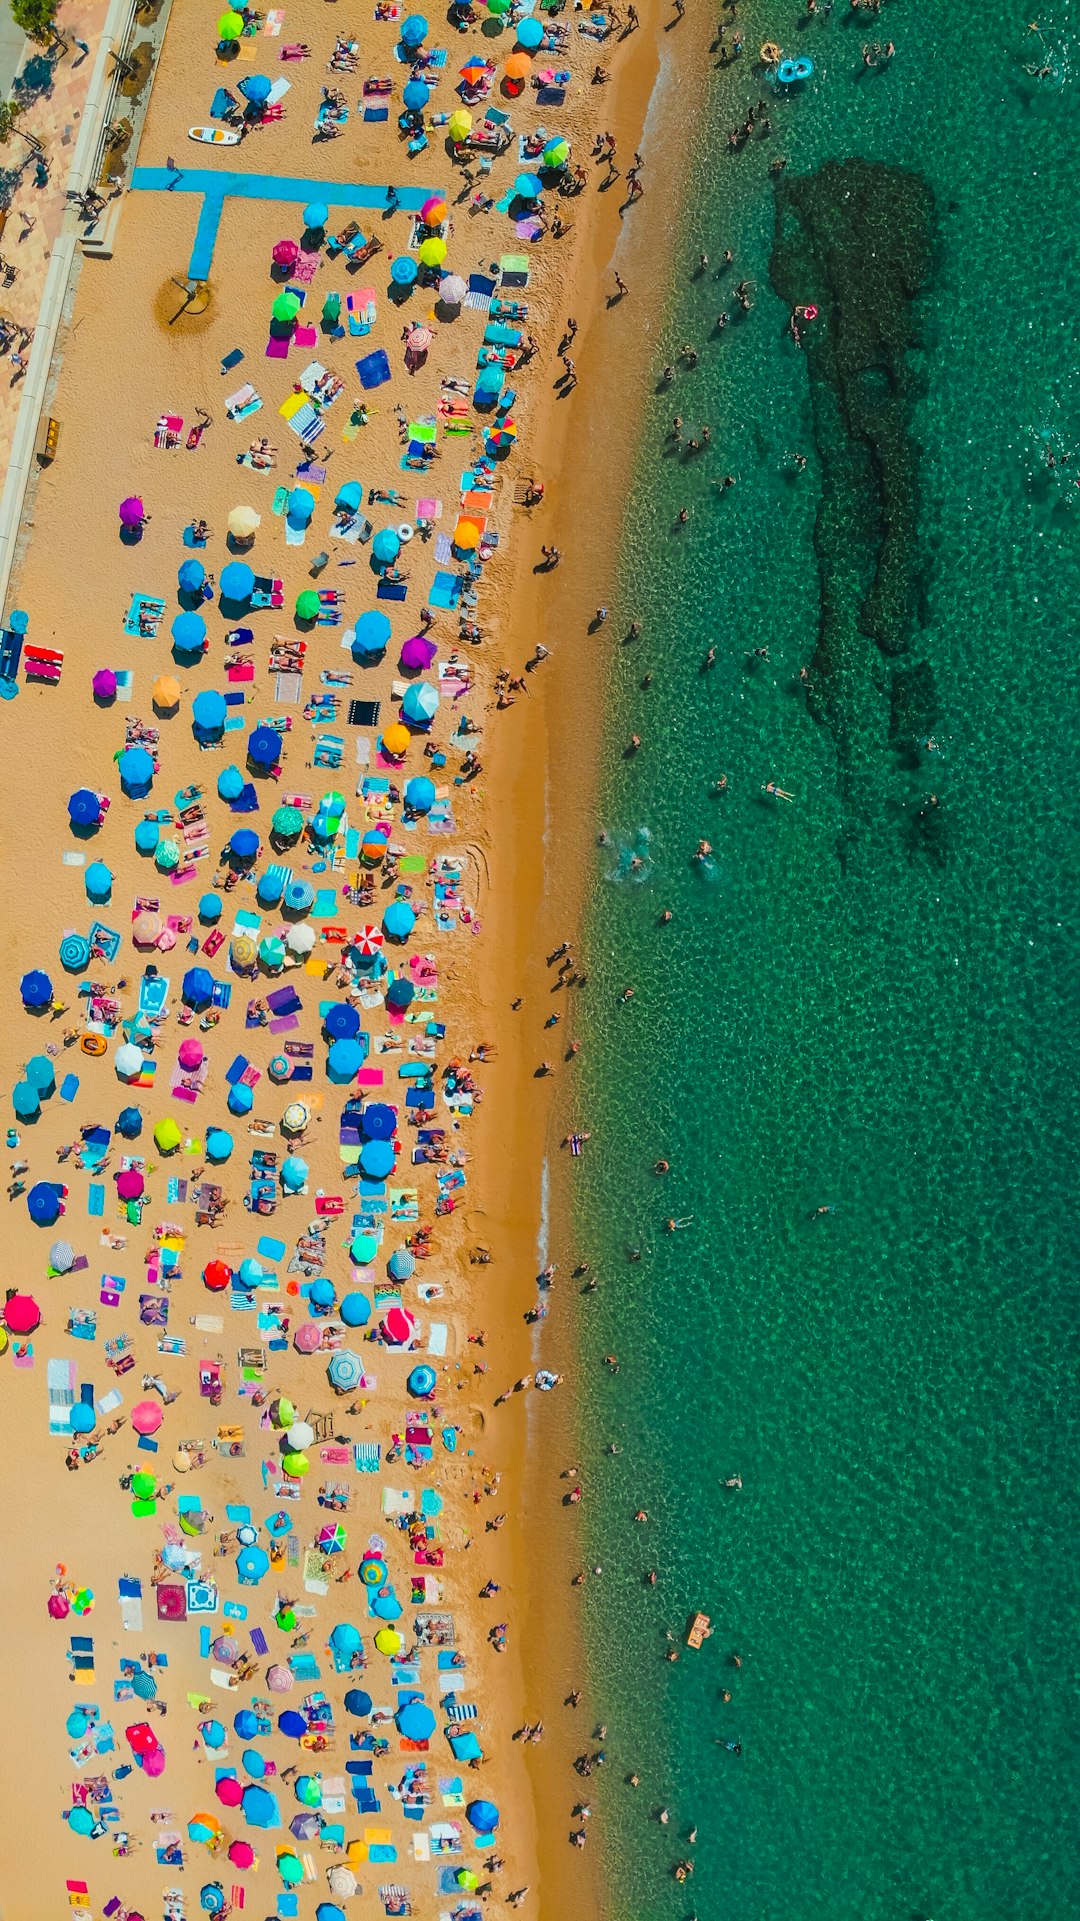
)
(215, 136)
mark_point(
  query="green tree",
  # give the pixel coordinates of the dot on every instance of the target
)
(37, 18)
(9, 119)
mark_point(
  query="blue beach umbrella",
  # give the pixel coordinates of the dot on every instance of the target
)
(489, 382)
(246, 1723)
(241, 1099)
(357, 1702)
(35, 988)
(400, 993)
(26, 1101)
(345, 1638)
(344, 1061)
(98, 880)
(264, 746)
(129, 1123)
(299, 896)
(379, 1121)
(190, 576)
(401, 1264)
(413, 29)
(198, 987)
(415, 1721)
(294, 1172)
(377, 1159)
(371, 633)
(251, 1760)
(252, 1563)
(237, 581)
(219, 1144)
(420, 794)
(74, 951)
(43, 1204)
(260, 1808)
(386, 1607)
(342, 1022)
(399, 920)
(420, 704)
(301, 506)
(82, 1418)
(189, 631)
(147, 836)
(209, 711)
(270, 888)
(350, 495)
(84, 808)
(256, 88)
(421, 1381)
(136, 770)
(345, 1371)
(528, 186)
(415, 96)
(530, 34)
(230, 783)
(316, 214)
(322, 1292)
(483, 1816)
(244, 843)
(385, 547)
(355, 1309)
(403, 270)
(210, 907)
(41, 1073)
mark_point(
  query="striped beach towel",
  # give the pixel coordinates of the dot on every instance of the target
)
(60, 1376)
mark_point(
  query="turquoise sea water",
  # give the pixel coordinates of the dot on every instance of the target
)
(864, 1001)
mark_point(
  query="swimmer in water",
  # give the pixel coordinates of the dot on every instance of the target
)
(703, 850)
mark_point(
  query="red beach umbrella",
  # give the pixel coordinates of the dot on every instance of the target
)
(398, 1326)
(368, 940)
(21, 1314)
(217, 1275)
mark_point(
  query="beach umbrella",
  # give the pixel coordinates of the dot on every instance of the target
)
(301, 940)
(81, 1821)
(466, 537)
(307, 1789)
(357, 1702)
(279, 1679)
(230, 783)
(345, 1638)
(285, 308)
(129, 1184)
(189, 631)
(104, 684)
(190, 1054)
(379, 1121)
(344, 1061)
(398, 1326)
(401, 1264)
(373, 1571)
(21, 1314)
(415, 1721)
(422, 1382)
(403, 270)
(241, 1100)
(415, 96)
(35, 989)
(147, 836)
(355, 1309)
(264, 746)
(372, 630)
(167, 856)
(377, 1159)
(237, 582)
(316, 214)
(26, 1101)
(459, 125)
(528, 186)
(198, 987)
(501, 436)
(210, 907)
(291, 1868)
(129, 1122)
(419, 339)
(530, 34)
(217, 1276)
(61, 1257)
(342, 1021)
(252, 1563)
(518, 68)
(432, 251)
(346, 1371)
(270, 888)
(413, 29)
(209, 711)
(167, 1135)
(557, 152)
(294, 1173)
(59, 1608)
(349, 497)
(483, 1816)
(287, 822)
(246, 1725)
(286, 253)
(256, 88)
(398, 920)
(388, 1641)
(132, 511)
(296, 1466)
(299, 896)
(244, 522)
(489, 382)
(244, 844)
(128, 1060)
(43, 1204)
(363, 1249)
(213, 1734)
(203, 1827)
(295, 1118)
(452, 289)
(396, 740)
(146, 1418)
(329, 1911)
(147, 928)
(301, 506)
(136, 770)
(467, 1878)
(84, 808)
(434, 211)
(421, 704)
(82, 1419)
(41, 1073)
(272, 952)
(98, 880)
(242, 1854)
(230, 26)
(332, 1539)
(260, 1806)
(165, 692)
(420, 794)
(342, 1880)
(190, 576)
(368, 941)
(219, 1144)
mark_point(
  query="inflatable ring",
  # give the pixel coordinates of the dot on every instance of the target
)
(405, 532)
(770, 54)
(94, 1044)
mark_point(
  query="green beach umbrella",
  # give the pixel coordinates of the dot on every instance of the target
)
(556, 153)
(331, 310)
(286, 307)
(286, 1620)
(286, 821)
(167, 855)
(272, 951)
(307, 604)
(142, 1486)
(230, 26)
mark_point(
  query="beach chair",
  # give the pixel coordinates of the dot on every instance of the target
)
(336, 243)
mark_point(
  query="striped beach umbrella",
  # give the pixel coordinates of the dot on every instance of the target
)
(369, 940)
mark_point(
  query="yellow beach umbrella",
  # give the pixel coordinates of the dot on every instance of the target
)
(244, 522)
(389, 1641)
(432, 251)
(459, 124)
(166, 692)
(167, 1135)
(396, 739)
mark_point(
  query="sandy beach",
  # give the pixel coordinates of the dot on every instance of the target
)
(132, 357)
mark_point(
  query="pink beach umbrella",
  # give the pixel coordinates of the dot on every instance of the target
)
(308, 1338)
(286, 253)
(229, 1791)
(190, 1055)
(146, 1417)
(279, 1679)
(104, 684)
(418, 653)
(59, 1606)
(398, 1326)
(154, 1762)
(129, 1184)
(132, 512)
(21, 1314)
(242, 1854)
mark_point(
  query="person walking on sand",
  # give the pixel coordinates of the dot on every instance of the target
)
(621, 287)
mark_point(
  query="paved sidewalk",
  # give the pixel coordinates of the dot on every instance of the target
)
(54, 118)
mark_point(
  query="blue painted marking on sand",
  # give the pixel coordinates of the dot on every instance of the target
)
(217, 187)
